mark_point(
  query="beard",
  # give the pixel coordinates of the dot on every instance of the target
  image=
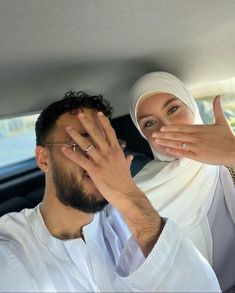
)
(72, 193)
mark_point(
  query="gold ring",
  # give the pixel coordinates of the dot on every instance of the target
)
(88, 148)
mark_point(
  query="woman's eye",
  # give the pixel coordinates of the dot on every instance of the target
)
(172, 110)
(150, 123)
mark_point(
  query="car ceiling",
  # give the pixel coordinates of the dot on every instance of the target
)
(48, 47)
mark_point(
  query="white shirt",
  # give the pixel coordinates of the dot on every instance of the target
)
(32, 260)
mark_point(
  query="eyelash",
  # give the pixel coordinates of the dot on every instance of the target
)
(153, 122)
(172, 110)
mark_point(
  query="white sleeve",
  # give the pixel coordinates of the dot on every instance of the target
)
(130, 259)
(8, 275)
(174, 265)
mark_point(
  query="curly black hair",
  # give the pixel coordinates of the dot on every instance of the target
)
(70, 103)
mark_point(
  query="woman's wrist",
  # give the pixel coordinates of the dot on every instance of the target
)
(232, 155)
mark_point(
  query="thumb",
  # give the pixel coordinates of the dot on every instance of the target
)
(129, 159)
(218, 111)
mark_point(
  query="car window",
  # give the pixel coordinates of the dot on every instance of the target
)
(206, 108)
(17, 139)
(205, 94)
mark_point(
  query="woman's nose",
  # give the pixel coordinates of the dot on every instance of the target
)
(165, 122)
(162, 122)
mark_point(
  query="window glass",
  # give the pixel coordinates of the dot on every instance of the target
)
(205, 94)
(17, 139)
(206, 109)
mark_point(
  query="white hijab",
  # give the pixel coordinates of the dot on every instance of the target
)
(180, 189)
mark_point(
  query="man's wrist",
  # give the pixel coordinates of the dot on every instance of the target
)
(149, 237)
(143, 220)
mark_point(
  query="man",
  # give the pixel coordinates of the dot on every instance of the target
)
(94, 231)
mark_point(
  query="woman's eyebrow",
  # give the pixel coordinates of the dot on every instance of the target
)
(145, 116)
(163, 107)
(168, 102)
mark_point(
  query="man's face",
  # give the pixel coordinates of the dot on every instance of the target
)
(73, 185)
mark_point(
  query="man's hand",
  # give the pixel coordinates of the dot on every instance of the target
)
(109, 170)
(211, 144)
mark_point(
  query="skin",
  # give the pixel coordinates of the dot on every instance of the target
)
(161, 110)
(211, 144)
(104, 171)
(58, 217)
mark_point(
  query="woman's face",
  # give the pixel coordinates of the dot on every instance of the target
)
(159, 110)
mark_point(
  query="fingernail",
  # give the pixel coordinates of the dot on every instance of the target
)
(162, 128)
(63, 148)
(81, 115)
(100, 113)
(68, 128)
(155, 135)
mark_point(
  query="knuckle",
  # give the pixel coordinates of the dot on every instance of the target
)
(179, 145)
(175, 135)
(112, 131)
(92, 131)
(98, 161)
(110, 155)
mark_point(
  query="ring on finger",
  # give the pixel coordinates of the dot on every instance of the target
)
(88, 148)
(183, 146)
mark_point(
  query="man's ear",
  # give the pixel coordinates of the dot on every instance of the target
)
(42, 158)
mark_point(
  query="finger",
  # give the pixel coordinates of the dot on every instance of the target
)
(84, 143)
(129, 160)
(108, 129)
(218, 111)
(94, 132)
(80, 160)
(179, 145)
(182, 128)
(180, 153)
(177, 136)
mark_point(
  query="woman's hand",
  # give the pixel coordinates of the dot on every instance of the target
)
(211, 144)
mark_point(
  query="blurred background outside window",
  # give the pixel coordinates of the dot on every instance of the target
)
(17, 139)
(205, 94)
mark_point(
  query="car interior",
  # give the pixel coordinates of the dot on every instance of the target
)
(49, 47)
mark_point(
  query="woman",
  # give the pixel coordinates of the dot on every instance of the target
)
(199, 197)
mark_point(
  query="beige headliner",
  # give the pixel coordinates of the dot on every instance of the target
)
(50, 46)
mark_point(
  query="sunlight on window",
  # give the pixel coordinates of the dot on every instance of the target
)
(205, 94)
(17, 139)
